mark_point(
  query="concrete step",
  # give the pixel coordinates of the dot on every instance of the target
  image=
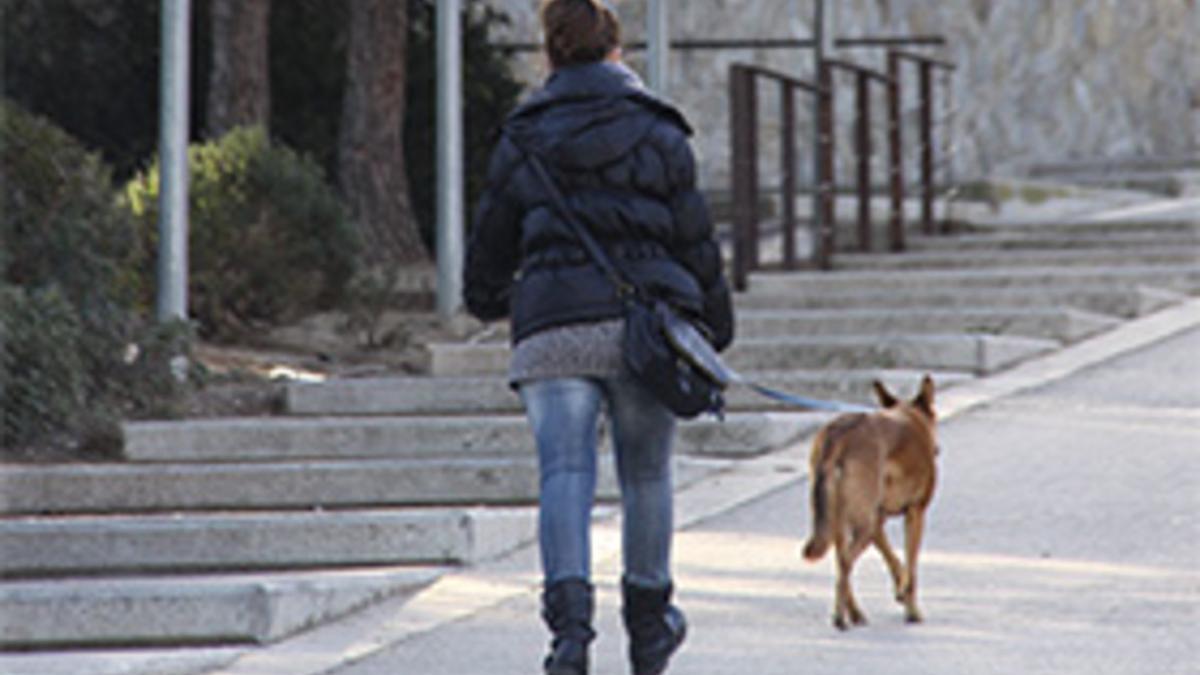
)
(121, 660)
(403, 396)
(1110, 298)
(490, 395)
(1167, 176)
(977, 354)
(980, 259)
(1057, 239)
(1138, 215)
(335, 438)
(1116, 165)
(1062, 324)
(39, 547)
(190, 610)
(1179, 277)
(427, 437)
(364, 483)
(972, 353)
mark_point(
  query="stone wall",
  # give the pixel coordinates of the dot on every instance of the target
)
(1037, 80)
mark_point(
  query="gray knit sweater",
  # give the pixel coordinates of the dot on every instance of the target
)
(576, 350)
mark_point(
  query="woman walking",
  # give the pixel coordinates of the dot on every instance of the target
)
(622, 160)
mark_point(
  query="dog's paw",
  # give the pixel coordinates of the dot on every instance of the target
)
(913, 616)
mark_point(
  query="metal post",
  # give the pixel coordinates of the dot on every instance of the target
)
(745, 173)
(818, 206)
(948, 131)
(826, 180)
(830, 28)
(659, 47)
(926, 89)
(450, 192)
(862, 128)
(172, 143)
(787, 94)
(895, 154)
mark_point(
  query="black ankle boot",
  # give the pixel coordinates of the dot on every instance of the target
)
(656, 627)
(567, 611)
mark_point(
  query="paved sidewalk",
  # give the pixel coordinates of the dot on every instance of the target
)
(1063, 539)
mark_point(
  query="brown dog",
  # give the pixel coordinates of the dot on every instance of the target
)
(866, 467)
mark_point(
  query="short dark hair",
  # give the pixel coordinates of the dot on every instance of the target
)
(579, 31)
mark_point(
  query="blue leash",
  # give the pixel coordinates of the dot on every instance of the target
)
(692, 345)
(803, 402)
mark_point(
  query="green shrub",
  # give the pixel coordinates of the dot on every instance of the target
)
(60, 221)
(44, 384)
(76, 351)
(268, 239)
(64, 384)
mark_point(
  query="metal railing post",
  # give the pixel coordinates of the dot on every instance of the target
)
(745, 173)
(825, 238)
(788, 183)
(172, 298)
(925, 66)
(451, 178)
(862, 129)
(862, 142)
(926, 114)
(895, 154)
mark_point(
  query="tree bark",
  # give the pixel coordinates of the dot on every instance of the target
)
(371, 167)
(239, 92)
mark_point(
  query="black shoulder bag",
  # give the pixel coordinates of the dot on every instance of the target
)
(663, 350)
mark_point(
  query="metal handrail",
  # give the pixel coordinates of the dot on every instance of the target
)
(781, 76)
(745, 151)
(925, 65)
(862, 135)
(744, 133)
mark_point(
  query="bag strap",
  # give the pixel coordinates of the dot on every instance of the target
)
(683, 334)
(696, 349)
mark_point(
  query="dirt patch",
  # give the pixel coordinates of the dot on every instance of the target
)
(250, 378)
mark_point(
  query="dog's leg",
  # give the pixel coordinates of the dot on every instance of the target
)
(892, 560)
(848, 553)
(914, 526)
(841, 588)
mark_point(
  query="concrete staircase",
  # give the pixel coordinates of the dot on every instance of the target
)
(240, 531)
(1171, 176)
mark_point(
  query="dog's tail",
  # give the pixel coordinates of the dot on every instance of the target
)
(818, 541)
(826, 475)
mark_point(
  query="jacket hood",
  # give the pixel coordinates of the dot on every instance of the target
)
(589, 115)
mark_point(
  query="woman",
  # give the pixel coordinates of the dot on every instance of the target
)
(622, 160)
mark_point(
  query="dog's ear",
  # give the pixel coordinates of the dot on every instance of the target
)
(924, 399)
(885, 397)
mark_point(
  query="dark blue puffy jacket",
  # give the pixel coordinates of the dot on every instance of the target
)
(623, 161)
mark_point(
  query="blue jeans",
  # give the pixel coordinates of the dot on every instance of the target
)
(564, 416)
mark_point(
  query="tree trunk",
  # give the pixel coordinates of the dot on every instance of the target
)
(371, 168)
(239, 92)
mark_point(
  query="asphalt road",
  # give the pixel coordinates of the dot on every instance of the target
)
(1064, 538)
